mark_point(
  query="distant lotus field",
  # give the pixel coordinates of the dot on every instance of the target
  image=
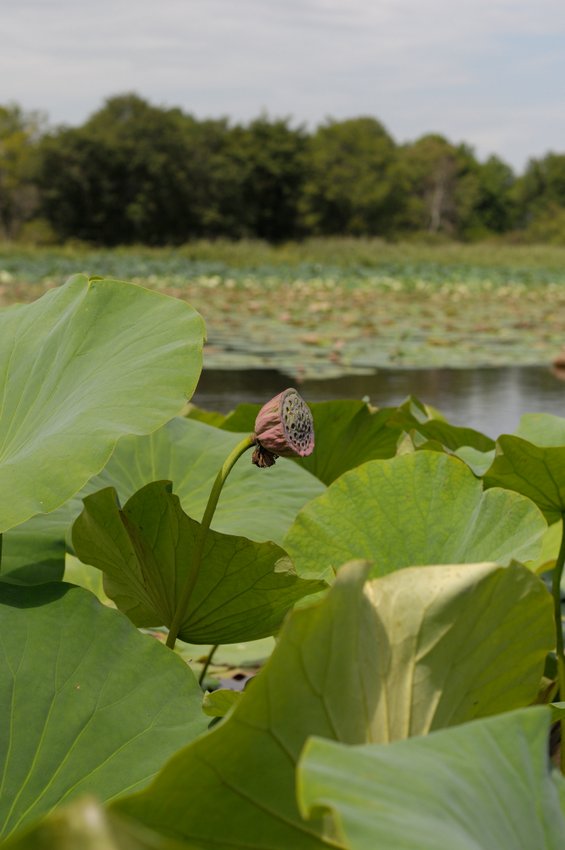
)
(326, 308)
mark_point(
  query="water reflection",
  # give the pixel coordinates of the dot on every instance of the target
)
(491, 400)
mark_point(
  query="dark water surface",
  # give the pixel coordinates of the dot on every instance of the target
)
(490, 400)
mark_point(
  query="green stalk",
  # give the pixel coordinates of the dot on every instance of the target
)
(194, 571)
(207, 664)
(556, 592)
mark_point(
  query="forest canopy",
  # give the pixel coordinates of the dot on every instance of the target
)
(139, 173)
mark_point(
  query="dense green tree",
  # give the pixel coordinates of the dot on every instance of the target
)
(268, 158)
(541, 189)
(352, 185)
(495, 206)
(135, 172)
(433, 168)
(126, 175)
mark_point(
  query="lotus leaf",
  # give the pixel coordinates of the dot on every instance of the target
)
(241, 593)
(82, 366)
(333, 674)
(418, 508)
(536, 471)
(87, 703)
(486, 784)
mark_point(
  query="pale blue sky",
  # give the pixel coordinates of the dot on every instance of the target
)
(488, 72)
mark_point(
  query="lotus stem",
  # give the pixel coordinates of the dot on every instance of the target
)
(207, 664)
(194, 571)
(556, 592)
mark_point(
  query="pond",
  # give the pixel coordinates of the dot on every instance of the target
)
(488, 399)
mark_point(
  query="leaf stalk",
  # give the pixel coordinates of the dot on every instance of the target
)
(196, 565)
(207, 664)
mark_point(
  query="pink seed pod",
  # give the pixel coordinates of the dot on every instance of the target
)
(284, 428)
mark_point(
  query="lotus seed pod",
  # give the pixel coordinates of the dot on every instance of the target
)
(284, 428)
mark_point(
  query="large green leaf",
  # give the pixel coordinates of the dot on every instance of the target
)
(483, 785)
(87, 703)
(82, 366)
(334, 673)
(348, 433)
(533, 463)
(419, 508)
(242, 591)
(235, 787)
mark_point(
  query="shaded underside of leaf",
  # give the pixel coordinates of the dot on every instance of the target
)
(146, 551)
(456, 643)
(537, 472)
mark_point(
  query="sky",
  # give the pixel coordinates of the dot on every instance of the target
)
(487, 72)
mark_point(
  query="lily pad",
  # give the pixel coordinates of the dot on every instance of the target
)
(219, 703)
(82, 366)
(415, 509)
(533, 463)
(87, 703)
(474, 448)
(484, 784)
(542, 429)
(34, 552)
(551, 541)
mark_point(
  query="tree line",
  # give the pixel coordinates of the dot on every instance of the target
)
(139, 173)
